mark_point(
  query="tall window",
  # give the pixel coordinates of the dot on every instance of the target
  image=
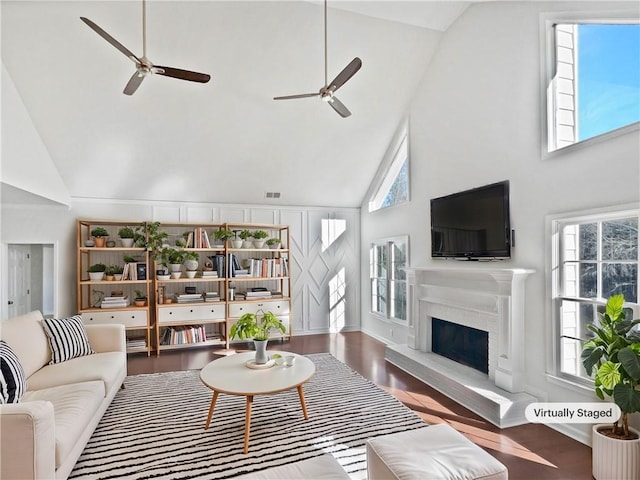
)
(393, 176)
(593, 79)
(387, 257)
(596, 257)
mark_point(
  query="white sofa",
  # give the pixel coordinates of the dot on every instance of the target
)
(42, 436)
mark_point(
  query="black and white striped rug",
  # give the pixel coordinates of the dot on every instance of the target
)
(155, 427)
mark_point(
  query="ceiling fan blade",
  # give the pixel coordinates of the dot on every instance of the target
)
(133, 84)
(301, 95)
(181, 74)
(339, 107)
(346, 73)
(111, 40)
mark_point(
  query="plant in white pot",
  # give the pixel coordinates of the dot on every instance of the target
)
(251, 325)
(96, 271)
(614, 355)
(260, 237)
(191, 264)
(126, 235)
(245, 235)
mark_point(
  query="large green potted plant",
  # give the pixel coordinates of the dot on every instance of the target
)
(613, 356)
(127, 236)
(99, 235)
(252, 325)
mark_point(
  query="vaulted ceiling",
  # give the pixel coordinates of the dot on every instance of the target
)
(225, 141)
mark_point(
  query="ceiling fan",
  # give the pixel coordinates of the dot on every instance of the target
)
(144, 66)
(326, 93)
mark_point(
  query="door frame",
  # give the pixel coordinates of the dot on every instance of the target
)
(4, 274)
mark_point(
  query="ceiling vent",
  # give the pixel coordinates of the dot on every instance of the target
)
(272, 195)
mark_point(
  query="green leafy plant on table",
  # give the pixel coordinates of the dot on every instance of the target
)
(255, 326)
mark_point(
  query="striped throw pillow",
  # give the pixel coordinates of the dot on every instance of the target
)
(67, 338)
(13, 382)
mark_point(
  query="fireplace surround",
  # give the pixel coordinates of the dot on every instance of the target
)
(491, 300)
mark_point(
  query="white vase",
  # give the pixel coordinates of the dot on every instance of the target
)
(127, 242)
(261, 351)
(175, 267)
(96, 276)
(259, 243)
(236, 243)
(191, 264)
(614, 459)
(247, 244)
(176, 275)
(190, 273)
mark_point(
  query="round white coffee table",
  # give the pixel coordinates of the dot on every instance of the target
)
(230, 375)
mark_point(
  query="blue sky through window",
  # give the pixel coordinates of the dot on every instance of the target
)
(608, 78)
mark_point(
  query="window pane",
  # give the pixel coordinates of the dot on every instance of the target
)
(379, 293)
(399, 260)
(608, 86)
(381, 262)
(399, 304)
(620, 239)
(399, 190)
(620, 278)
(588, 241)
(588, 280)
(571, 363)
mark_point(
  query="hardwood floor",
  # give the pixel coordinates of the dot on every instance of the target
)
(531, 451)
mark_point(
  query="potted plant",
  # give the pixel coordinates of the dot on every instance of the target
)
(614, 355)
(252, 325)
(235, 241)
(191, 264)
(259, 238)
(274, 243)
(117, 272)
(245, 235)
(109, 273)
(96, 271)
(222, 235)
(150, 237)
(126, 235)
(175, 258)
(141, 299)
(99, 235)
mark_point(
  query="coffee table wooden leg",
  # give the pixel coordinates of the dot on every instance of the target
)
(302, 402)
(211, 407)
(247, 423)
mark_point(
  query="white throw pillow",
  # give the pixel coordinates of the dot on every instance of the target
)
(67, 338)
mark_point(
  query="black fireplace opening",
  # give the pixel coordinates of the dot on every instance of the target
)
(465, 345)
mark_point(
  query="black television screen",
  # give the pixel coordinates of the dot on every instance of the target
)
(472, 224)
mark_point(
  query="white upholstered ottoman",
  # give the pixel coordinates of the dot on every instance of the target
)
(323, 467)
(433, 452)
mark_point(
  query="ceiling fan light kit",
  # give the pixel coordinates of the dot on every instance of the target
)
(144, 67)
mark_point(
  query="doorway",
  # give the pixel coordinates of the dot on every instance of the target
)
(30, 279)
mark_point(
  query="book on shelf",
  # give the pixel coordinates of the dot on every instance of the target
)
(136, 343)
(210, 273)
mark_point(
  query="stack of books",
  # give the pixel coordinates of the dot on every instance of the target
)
(257, 292)
(188, 297)
(115, 301)
(211, 296)
(209, 274)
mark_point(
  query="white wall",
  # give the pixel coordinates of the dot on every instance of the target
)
(476, 119)
(26, 163)
(323, 244)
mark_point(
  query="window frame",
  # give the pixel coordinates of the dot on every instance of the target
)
(387, 243)
(556, 294)
(389, 169)
(547, 71)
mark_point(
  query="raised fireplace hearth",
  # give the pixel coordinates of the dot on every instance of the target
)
(488, 305)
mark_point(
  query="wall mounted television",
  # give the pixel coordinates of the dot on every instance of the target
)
(473, 224)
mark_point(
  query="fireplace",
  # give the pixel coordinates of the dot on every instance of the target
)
(483, 307)
(465, 345)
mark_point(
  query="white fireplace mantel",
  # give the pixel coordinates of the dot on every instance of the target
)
(487, 299)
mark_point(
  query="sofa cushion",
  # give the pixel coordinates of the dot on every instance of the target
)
(74, 406)
(106, 367)
(13, 382)
(33, 353)
(67, 338)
